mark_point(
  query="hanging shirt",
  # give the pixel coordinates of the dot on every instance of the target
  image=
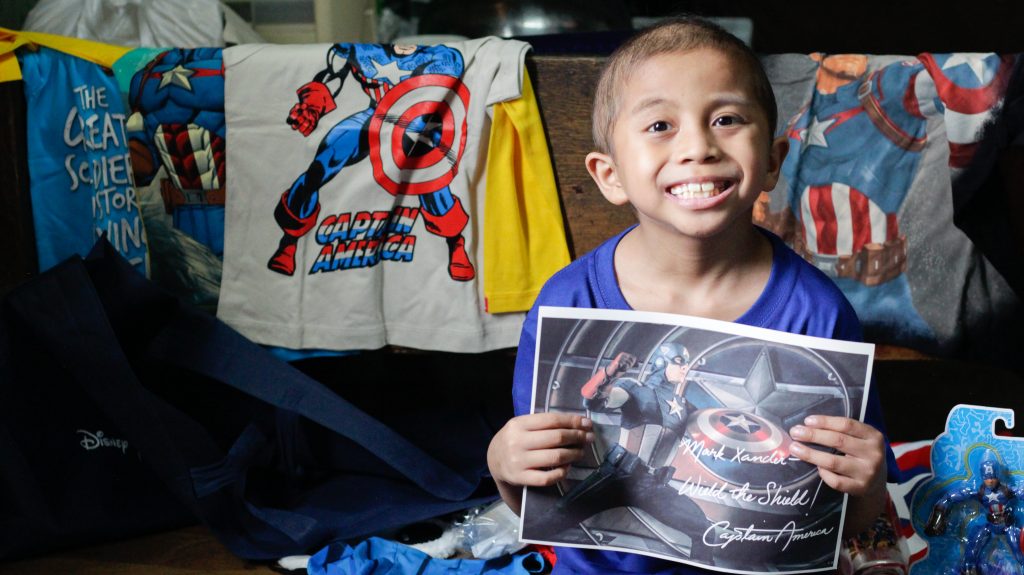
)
(356, 208)
(78, 161)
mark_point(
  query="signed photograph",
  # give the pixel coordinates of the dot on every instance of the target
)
(691, 458)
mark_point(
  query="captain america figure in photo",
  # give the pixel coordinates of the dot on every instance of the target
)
(654, 415)
(379, 69)
(995, 498)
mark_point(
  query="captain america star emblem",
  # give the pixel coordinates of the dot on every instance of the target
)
(738, 430)
(750, 392)
(737, 447)
(418, 133)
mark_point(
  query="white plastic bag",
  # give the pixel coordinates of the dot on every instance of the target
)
(483, 532)
(153, 23)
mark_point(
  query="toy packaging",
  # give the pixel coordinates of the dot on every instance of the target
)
(972, 508)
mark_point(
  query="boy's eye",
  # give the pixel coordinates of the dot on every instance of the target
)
(726, 121)
(659, 126)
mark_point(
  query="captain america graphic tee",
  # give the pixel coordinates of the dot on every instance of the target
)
(358, 175)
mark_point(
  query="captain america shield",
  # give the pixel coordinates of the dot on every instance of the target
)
(418, 133)
(750, 393)
(740, 448)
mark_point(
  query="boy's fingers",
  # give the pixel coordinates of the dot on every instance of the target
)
(823, 437)
(853, 439)
(541, 477)
(861, 451)
(554, 420)
(835, 481)
(844, 425)
(548, 458)
(560, 437)
(847, 474)
(850, 485)
(822, 460)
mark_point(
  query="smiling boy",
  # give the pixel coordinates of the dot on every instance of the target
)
(684, 119)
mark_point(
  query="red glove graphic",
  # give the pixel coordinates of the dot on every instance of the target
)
(598, 383)
(315, 100)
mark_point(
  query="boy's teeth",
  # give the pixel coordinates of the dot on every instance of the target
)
(695, 190)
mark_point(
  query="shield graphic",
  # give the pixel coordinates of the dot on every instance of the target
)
(418, 133)
(739, 448)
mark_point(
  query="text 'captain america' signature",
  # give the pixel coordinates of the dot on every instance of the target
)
(722, 534)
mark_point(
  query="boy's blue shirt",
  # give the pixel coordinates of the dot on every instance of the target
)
(798, 298)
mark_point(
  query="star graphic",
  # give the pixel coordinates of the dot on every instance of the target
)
(423, 135)
(674, 408)
(741, 422)
(760, 393)
(176, 76)
(390, 72)
(815, 133)
(976, 62)
(760, 379)
(992, 497)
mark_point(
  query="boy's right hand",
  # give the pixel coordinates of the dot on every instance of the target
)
(537, 449)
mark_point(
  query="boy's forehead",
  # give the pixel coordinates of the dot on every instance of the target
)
(647, 83)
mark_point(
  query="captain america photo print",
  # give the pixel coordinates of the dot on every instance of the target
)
(691, 460)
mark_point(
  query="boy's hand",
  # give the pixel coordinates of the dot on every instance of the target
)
(537, 449)
(859, 468)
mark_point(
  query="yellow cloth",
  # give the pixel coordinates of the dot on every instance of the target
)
(524, 239)
(10, 40)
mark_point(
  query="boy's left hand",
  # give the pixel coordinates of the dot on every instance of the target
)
(858, 468)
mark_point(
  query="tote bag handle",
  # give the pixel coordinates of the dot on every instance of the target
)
(219, 354)
(65, 306)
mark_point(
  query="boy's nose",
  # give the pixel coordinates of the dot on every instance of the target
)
(696, 146)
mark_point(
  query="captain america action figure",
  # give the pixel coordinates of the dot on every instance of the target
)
(378, 69)
(995, 498)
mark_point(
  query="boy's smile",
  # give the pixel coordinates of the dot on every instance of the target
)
(701, 194)
(691, 148)
(703, 189)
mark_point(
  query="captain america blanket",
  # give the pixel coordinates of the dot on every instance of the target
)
(888, 156)
(693, 459)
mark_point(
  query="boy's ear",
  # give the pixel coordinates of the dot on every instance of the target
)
(776, 156)
(602, 168)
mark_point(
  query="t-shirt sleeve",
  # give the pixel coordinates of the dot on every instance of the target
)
(847, 325)
(522, 378)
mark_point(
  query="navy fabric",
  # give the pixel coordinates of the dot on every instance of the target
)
(69, 475)
(384, 557)
(273, 461)
(797, 299)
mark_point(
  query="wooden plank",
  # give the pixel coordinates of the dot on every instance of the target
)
(565, 91)
(191, 550)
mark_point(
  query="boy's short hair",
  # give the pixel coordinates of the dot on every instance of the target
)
(679, 34)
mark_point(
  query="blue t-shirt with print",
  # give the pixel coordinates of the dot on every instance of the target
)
(798, 298)
(79, 170)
